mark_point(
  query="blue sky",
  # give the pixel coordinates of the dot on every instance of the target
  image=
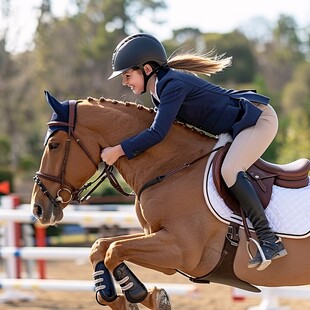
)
(208, 16)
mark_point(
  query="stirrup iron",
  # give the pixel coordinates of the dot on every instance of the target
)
(265, 262)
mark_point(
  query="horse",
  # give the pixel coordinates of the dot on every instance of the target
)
(180, 233)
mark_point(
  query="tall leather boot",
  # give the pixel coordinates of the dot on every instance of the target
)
(271, 245)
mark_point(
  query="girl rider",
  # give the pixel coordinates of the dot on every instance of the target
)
(178, 93)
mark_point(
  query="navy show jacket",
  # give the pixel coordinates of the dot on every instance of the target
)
(195, 101)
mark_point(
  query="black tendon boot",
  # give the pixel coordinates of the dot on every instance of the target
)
(104, 284)
(271, 245)
(131, 286)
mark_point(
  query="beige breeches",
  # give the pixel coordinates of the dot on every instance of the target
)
(250, 144)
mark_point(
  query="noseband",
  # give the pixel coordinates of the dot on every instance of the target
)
(65, 186)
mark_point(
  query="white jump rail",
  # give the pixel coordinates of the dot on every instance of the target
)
(89, 219)
(84, 285)
(54, 253)
(271, 295)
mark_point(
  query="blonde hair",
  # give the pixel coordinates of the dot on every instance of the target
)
(200, 64)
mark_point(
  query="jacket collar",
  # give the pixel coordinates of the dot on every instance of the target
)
(162, 72)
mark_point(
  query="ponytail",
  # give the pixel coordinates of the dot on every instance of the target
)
(200, 64)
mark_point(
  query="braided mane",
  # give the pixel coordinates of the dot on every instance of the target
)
(151, 110)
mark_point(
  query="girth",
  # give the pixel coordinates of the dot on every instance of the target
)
(223, 272)
(263, 175)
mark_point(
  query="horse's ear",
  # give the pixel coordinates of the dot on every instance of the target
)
(54, 103)
(60, 114)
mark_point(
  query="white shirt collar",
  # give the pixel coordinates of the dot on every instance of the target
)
(155, 93)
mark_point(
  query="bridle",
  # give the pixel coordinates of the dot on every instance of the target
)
(107, 172)
(75, 193)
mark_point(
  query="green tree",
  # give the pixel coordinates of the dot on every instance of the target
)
(296, 106)
(233, 44)
(279, 56)
(71, 58)
(74, 53)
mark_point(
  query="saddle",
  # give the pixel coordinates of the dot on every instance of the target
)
(263, 176)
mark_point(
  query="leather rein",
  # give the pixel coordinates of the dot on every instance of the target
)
(75, 194)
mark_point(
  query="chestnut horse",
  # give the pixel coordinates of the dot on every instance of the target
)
(180, 232)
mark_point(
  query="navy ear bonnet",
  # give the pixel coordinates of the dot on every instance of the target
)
(60, 114)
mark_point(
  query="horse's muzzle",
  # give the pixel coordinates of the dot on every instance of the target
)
(47, 218)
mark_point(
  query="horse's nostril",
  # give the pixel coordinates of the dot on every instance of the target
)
(37, 211)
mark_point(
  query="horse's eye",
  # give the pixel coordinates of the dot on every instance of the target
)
(53, 145)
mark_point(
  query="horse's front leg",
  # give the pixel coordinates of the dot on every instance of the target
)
(105, 290)
(101, 245)
(158, 249)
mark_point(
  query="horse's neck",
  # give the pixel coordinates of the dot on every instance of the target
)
(116, 122)
(180, 147)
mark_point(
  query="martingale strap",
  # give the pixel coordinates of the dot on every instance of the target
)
(160, 178)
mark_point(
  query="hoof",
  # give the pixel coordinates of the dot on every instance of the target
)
(157, 299)
(163, 301)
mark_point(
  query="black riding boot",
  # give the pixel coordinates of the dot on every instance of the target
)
(250, 203)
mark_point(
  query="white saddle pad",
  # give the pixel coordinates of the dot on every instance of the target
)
(288, 211)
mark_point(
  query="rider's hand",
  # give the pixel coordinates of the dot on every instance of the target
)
(111, 154)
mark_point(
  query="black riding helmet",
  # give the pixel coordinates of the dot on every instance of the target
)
(135, 51)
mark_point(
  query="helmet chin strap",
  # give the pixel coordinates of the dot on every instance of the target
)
(147, 77)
